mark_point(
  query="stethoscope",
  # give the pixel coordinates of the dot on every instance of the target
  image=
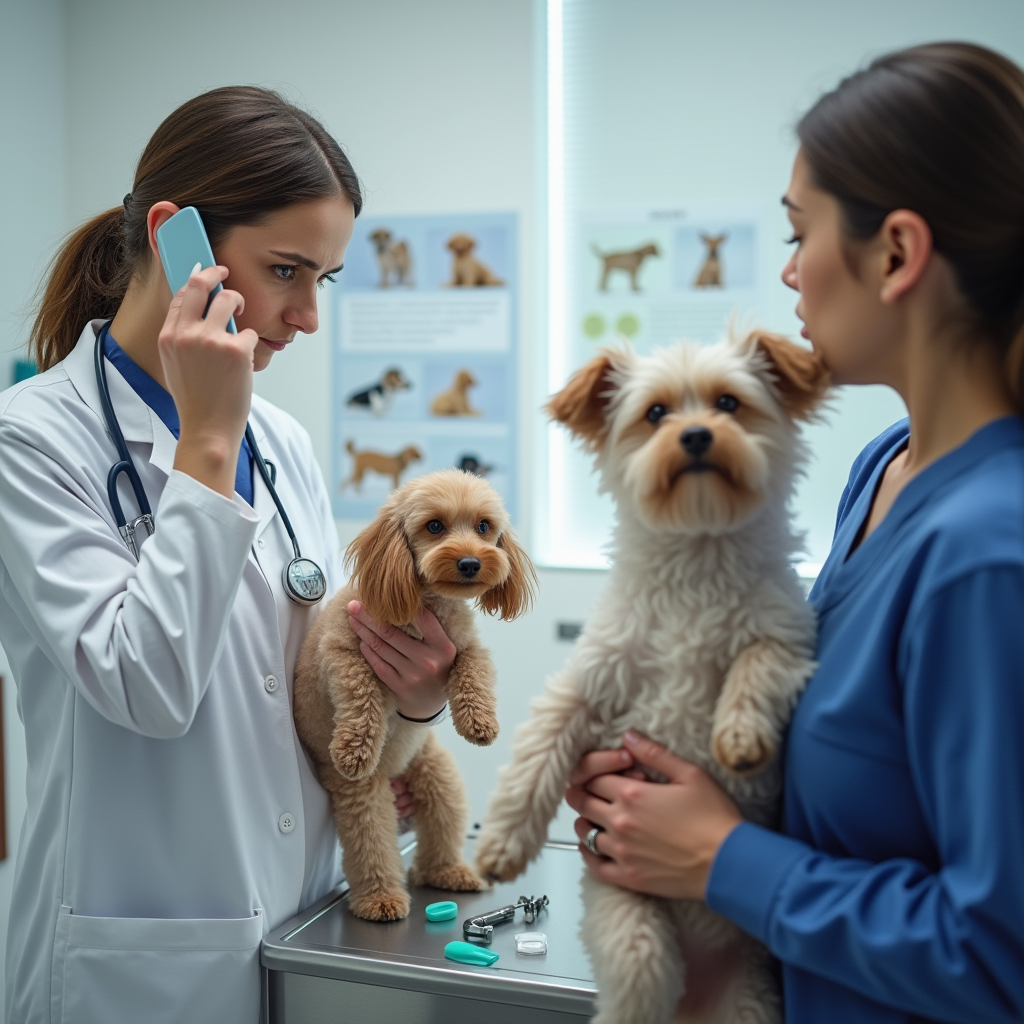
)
(303, 579)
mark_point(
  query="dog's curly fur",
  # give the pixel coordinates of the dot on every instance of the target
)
(702, 639)
(346, 717)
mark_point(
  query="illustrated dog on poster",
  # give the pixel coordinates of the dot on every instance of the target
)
(368, 460)
(467, 270)
(378, 397)
(393, 257)
(454, 401)
(440, 542)
(710, 274)
(473, 464)
(628, 262)
(702, 639)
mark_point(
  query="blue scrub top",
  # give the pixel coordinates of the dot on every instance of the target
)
(896, 893)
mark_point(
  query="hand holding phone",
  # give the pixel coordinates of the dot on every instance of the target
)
(184, 245)
(208, 365)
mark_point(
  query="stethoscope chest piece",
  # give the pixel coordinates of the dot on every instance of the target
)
(304, 581)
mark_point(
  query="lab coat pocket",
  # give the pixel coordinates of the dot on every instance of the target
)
(203, 971)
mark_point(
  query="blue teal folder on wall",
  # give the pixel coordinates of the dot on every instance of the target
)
(23, 369)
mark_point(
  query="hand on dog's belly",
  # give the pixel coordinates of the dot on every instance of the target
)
(658, 839)
(415, 671)
(405, 802)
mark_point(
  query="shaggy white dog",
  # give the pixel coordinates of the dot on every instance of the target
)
(702, 639)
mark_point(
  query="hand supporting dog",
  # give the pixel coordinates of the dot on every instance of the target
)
(650, 843)
(415, 671)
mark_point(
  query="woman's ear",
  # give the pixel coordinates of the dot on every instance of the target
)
(384, 571)
(798, 374)
(582, 404)
(513, 597)
(159, 214)
(907, 247)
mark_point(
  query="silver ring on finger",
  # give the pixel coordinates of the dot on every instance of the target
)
(591, 841)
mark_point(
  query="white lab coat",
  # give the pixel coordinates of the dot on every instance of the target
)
(173, 817)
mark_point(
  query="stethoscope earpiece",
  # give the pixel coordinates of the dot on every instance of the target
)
(303, 579)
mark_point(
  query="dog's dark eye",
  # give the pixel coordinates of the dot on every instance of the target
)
(435, 526)
(728, 403)
(655, 413)
(483, 526)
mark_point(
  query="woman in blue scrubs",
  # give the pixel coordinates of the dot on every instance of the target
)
(895, 891)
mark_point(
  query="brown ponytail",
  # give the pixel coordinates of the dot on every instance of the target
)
(937, 129)
(237, 154)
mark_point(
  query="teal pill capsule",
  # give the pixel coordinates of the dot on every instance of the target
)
(467, 953)
(445, 911)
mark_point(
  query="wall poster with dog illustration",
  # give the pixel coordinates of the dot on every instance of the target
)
(655, 276)
(425, 363)
(649, 277)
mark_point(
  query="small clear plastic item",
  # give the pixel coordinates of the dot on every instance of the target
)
(531, 943)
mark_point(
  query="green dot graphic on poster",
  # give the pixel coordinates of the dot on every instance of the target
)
(594, 325)
(628, 324)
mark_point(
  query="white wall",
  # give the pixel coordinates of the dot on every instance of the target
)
(33, 212)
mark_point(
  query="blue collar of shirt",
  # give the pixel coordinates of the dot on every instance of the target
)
(156, 397)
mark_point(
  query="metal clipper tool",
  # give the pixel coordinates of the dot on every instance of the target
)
(481, 927)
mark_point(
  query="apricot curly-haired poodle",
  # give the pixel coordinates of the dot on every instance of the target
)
(439, 541)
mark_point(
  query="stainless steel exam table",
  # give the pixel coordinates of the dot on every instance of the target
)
(327, 967)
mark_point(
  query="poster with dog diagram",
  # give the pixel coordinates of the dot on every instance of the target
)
(424, 356)
(655, 276)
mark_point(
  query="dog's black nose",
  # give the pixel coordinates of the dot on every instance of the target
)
(468, 566)
(696, 440)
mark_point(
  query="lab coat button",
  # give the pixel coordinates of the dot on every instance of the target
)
(261, 542)
(286, 822)
(270, 683)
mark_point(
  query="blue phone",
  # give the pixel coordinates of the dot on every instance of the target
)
(183, 243)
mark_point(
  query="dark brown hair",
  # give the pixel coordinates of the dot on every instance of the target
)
(237, 154)
(937, 129)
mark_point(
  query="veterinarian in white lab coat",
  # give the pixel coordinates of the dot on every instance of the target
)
(173, 817)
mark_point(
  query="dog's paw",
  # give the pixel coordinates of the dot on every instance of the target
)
(379, 905)
(500, 858)
(455, 877)
(355, 757)
(740, 748)
(481, 730)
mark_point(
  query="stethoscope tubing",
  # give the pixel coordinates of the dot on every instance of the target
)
(296, 576)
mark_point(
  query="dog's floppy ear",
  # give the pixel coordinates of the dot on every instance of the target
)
(799, 375)
(581, 405)
(513, 597)
(384, 571)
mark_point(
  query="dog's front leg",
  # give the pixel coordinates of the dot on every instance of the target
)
(362, 709)
(634, 949)
(471, 696)
(754, 706)
(531, 786)
(365, 815)
(442, 810)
